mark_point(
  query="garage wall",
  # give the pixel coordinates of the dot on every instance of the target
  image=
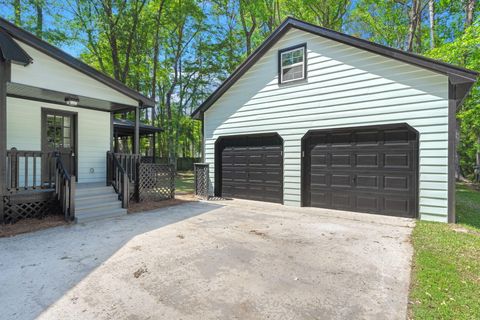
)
(346, 87)
(24, 133)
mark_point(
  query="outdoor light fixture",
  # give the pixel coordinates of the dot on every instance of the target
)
(71, 101)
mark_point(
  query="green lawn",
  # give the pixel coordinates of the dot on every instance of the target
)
(446, 270)
(184, 182)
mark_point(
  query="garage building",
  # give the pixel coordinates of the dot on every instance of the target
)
(318, 118)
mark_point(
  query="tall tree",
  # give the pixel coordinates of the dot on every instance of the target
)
(248, 18)
(431, 16)
(469, 12)
(17, 9)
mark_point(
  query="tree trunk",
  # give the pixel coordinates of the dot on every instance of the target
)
(17, 8)
(413, 24)
(431, 11)
(478, 150)
(156, 49)
(39, 26)
(458, 170)
(248, 31)
(112, 38)
(469, 10)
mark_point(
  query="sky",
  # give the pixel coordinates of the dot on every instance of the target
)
(63, 14)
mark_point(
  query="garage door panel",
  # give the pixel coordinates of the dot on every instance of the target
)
(341, 139)
(341, 201)
(341, 180)
(320, 199)
(397, 159)
(320, 179)
(397, 137)
(397, 183)
(252, 168)
(367, 160)
(368, 182)
(340, 160)
(367, 138)
(366, 170)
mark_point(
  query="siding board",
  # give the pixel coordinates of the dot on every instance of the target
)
(24, 133)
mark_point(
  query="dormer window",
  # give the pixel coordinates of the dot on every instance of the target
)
(292, 64)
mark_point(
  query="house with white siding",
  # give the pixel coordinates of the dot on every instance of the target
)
(56, 127)
(318, 118)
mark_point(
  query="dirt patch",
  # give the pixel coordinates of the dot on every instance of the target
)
(152, 205)
(459, 229)
(30, 225)
(258, 233)
(137, 274)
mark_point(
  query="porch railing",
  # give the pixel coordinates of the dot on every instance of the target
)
(122, 171)
(29, 170)
(65, 189)
(24, 170)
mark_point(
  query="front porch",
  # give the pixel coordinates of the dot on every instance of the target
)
(57, 133)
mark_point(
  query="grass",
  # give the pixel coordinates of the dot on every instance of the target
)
(184, 182)
(446, 264)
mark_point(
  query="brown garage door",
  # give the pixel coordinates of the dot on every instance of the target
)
(250, 167)
(365, 170)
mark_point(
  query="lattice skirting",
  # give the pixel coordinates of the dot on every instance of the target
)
(156, 182)
(201, 180)
(30, 205)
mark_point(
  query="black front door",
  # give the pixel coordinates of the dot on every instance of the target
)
(58, 135)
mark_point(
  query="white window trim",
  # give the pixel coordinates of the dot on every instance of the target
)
(292, 65)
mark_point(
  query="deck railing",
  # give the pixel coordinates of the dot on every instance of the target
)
(122, 171)
(24, 170)
(65, 189)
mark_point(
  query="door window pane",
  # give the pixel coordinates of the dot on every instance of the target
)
(66, 121)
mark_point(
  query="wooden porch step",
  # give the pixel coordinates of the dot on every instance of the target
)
(94, 190)
(98, 215)
(102, 197)
(96, 201)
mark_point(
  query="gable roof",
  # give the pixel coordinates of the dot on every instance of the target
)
(10, 52)
(456, 74)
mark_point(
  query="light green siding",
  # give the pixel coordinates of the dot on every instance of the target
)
(346, 87)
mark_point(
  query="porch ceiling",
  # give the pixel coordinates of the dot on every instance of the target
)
(22, 91)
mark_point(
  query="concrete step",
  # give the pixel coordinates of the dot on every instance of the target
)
(88, 216)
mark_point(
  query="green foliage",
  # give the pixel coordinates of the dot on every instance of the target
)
(179, 51)
(446, 264)
(465, 52)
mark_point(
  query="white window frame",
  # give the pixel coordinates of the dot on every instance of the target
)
(303, 49)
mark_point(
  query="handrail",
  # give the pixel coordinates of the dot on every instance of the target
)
(118, 178)
(129, 163)
(65, 189)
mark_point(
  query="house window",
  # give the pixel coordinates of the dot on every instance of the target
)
(292, 64)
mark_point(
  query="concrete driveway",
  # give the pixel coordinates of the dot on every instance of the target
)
(212, 260)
